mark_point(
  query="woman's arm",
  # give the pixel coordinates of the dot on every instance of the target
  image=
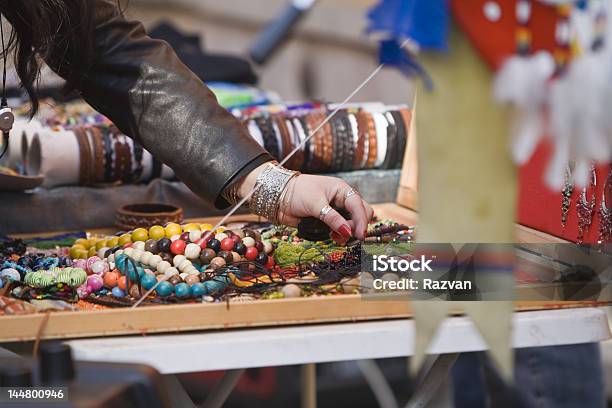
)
(142, 86)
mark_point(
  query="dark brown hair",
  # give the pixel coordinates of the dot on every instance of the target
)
(60, 32)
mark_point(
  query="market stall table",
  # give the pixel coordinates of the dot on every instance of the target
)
(230, 349)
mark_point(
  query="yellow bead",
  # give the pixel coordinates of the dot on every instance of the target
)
(190, 227)
(75, 250)
(140, 234)
(82, 254)
(125, 239)
(101, 244)
(206, 227)
(157, 232)
(112, 241)
(92, 251)
(83, 242)
(173, 229)
(219, 230)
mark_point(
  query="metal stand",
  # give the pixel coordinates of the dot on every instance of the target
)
(309, 385)
(222, 390)
(432, 380)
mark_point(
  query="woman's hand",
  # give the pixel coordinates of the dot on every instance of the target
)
(306, 195)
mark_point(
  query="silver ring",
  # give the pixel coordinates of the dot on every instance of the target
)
(324, 211)
(351, 192)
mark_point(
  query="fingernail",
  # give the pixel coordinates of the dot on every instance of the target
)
(338, 238)
(345, 231)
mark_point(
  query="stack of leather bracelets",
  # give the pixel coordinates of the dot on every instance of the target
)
(360, 137)
(107, 156)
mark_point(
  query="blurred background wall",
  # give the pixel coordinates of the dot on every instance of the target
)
(327, 58)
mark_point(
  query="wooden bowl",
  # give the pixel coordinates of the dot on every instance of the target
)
(146, 215)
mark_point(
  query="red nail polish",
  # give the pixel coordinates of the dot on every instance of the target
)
(345, 230)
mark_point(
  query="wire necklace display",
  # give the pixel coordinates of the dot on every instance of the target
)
(605, 211)
(586, 207)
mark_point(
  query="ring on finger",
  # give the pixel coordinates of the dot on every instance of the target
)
(324, 211)
(350, 193)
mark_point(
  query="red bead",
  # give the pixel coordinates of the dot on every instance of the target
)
(203, 242)
(270, 263)
(128, 245)
(227, 244)
(177, 247)
(236, 238)
(251, 253)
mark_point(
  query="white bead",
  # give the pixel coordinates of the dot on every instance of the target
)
(174, 237)
(111, 258)
(163, 266)
(492, 11)
(248, 242)
(184, 265)
(155, 260)
(183, 276)
(146, 258)
(139, 245)
(137, 255)
(119, 252)
(195, 235)
(268, 247)
(171, 271)
(176, 261)
(221, 236)
(190, 269)
(102, 251)
(128, 251)
(192, 251)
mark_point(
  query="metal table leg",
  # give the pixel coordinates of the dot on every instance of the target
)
(432, 380)
(222, 390)
(309, 385)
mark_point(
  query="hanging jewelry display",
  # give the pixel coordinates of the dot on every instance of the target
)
(585, 207)
(605, 211)
(566, 197)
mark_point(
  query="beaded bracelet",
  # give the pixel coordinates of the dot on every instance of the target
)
(349, 147)
(108, 154)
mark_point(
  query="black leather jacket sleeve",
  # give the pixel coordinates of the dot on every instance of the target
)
(142, 86)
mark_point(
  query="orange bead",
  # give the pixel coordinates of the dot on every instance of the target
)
(110, 279)
(122, 282)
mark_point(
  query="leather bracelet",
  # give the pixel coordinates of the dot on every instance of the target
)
(270, 144)
(127, 169)
(301, 121)
(138, 154)
(98, 162)
(352, 117)
(328, 146)
(285, 139)
(372, 141)
(349, 147)
(401, 138)
(316, 151)
(391, 154)
(108, 154)
(83, 154)
(362, 129)
(297, 140)
(337, 134)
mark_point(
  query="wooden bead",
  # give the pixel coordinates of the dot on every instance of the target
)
(249, 242)
(217, 262)
(291, 291)
(177, 260)
(192, 251)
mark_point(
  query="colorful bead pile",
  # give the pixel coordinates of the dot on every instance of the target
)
(175, 260)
